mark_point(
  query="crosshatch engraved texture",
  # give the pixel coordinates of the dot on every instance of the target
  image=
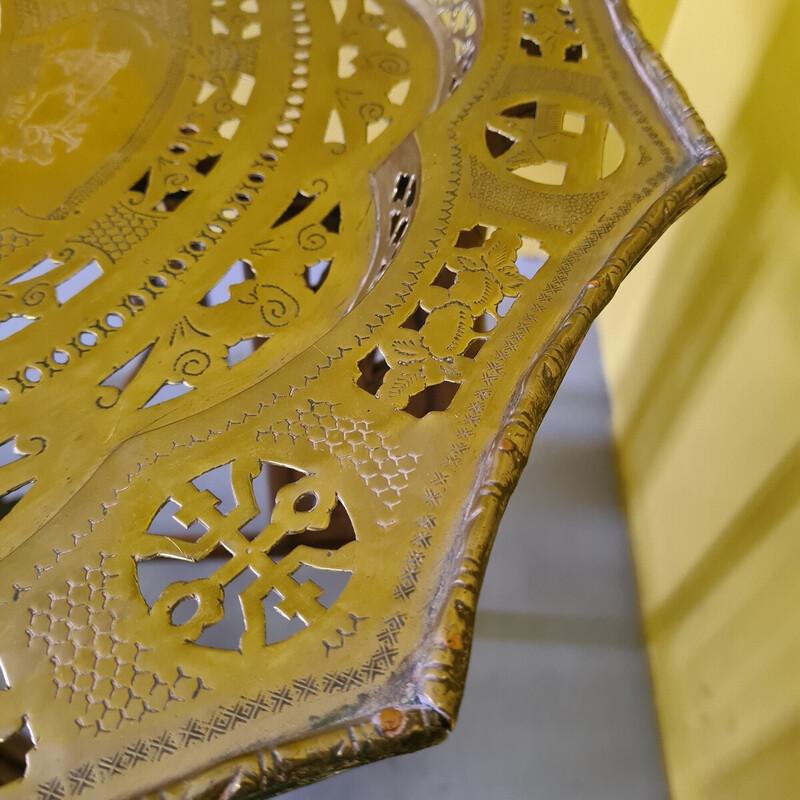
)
(285, 291)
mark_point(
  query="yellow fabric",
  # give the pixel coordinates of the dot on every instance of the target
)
(702, 356)
(655, 17)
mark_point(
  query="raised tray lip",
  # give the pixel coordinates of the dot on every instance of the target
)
(686, 122)
(296, 762)
(538, 385)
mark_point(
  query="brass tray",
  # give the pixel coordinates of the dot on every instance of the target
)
(285, 291)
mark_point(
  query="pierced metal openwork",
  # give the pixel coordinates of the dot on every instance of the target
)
(285, 291)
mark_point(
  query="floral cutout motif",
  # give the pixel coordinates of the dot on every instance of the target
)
(439, 351)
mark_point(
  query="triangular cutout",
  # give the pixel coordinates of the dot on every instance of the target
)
(168, 391)
(14, 749)
(13, 496)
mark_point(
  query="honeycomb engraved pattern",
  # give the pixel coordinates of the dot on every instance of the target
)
(227, 718)
(118, 231)
(99, 673)
(383, 466)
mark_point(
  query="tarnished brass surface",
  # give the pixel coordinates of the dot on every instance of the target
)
(271, 361)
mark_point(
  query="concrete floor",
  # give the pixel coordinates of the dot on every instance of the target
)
(558, 703)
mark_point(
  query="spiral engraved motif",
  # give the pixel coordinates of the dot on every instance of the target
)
(37, 294)
(277, 306)
(390, 63)
(312, 237)
(192, 363)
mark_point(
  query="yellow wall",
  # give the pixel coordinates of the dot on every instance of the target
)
(702, 355)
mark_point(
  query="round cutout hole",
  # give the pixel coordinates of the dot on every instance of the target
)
(184, 610)
(306, 502)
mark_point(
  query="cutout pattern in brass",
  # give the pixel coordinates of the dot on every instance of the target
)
(285, 291)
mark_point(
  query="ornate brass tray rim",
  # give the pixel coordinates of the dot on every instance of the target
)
(445, 658)
(537, 387)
